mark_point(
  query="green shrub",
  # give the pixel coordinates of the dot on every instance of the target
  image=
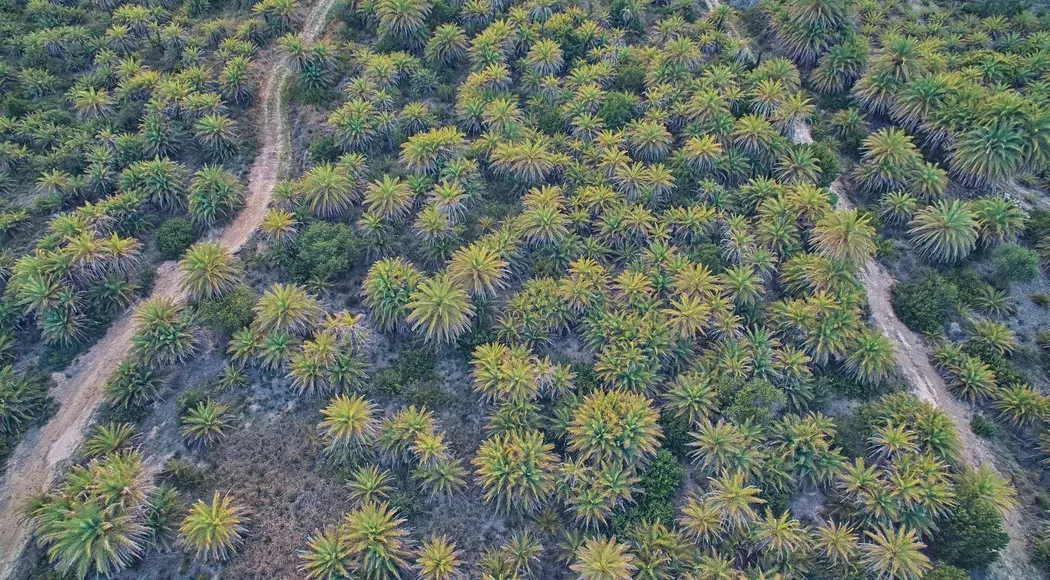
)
(324, 149)
(630, 78)
(982, 427)
(659, 485)
(429, 394)
(676, 435)
(230, 312)
(757, 400)
(1015, 263)
(617, 110)
(829, 163)
(174, 236)
(972, 536)
(926, 306)
(1037, 227)
(325, 252)
(942, 571)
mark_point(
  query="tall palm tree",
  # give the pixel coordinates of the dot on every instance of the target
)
(603, 559)
(287, 308)
(208, 271)
(388, 288)
(448, 43)
(163, 332)
(376, 540)
(440, 308)
(872, 358)
(734, 499)
(328, 190)
(845, 235)
(478, 269)
(945, 231)
(438, 559)
(214, 530)
(327, 556)
(615, 425)
(894, 553)
(217, 136)
(214, 194)
(403, 20)
(349, 424)
(516, 470)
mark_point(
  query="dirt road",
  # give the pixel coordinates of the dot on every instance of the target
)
(913, 358)
(35, 461)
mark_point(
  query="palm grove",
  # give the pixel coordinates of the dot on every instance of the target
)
(603, 213)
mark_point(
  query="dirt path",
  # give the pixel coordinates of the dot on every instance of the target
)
(913, 358)
(35, 461)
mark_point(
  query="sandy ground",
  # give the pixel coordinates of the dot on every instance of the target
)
(36, 460)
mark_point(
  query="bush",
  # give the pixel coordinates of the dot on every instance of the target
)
(942, 571)
(325, 251)
(230, 312)
(676, 434)
(659, 486)
(982, 427)
(927, 305)
(972, 536)
(757, 400)
(829, 163)
(630, 78)
(324, 149)
(1037, 227)
(617, 110)
(174, 236)
(1015, 263)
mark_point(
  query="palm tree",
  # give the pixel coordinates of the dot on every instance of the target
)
(349, 424)
(389, 197)
(403, 20)
(615, 425)
(369, 485)
(109, 438)
(733, 499)
(1000, 219)
(890, 158)
(1022, 404)
(208, 271)
(894, 553)
(438, 559)
(529, 161)
(214, 194)
(440, 308)
(388, 288)
(448, 43)
(872, 358)
(286, 308)
(205, 424)
(845, 235)
(604, 559)
(478, 269)
(945, 231)
(985, 483)
(545, 57)
(376, 541)
(131, 386)
(328, 190)
(836, 542)
(327, 557)
(214, 531)
(161, 181)
(279, 226)
(988, 152)
(516, 470)
(217, 135)
(164, 333)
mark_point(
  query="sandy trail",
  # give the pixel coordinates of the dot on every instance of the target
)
(913, 358)
(35, 461)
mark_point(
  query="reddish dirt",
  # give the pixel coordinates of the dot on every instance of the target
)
(37, 459)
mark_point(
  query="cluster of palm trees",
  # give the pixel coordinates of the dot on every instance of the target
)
(149, 101)
(107, 512)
